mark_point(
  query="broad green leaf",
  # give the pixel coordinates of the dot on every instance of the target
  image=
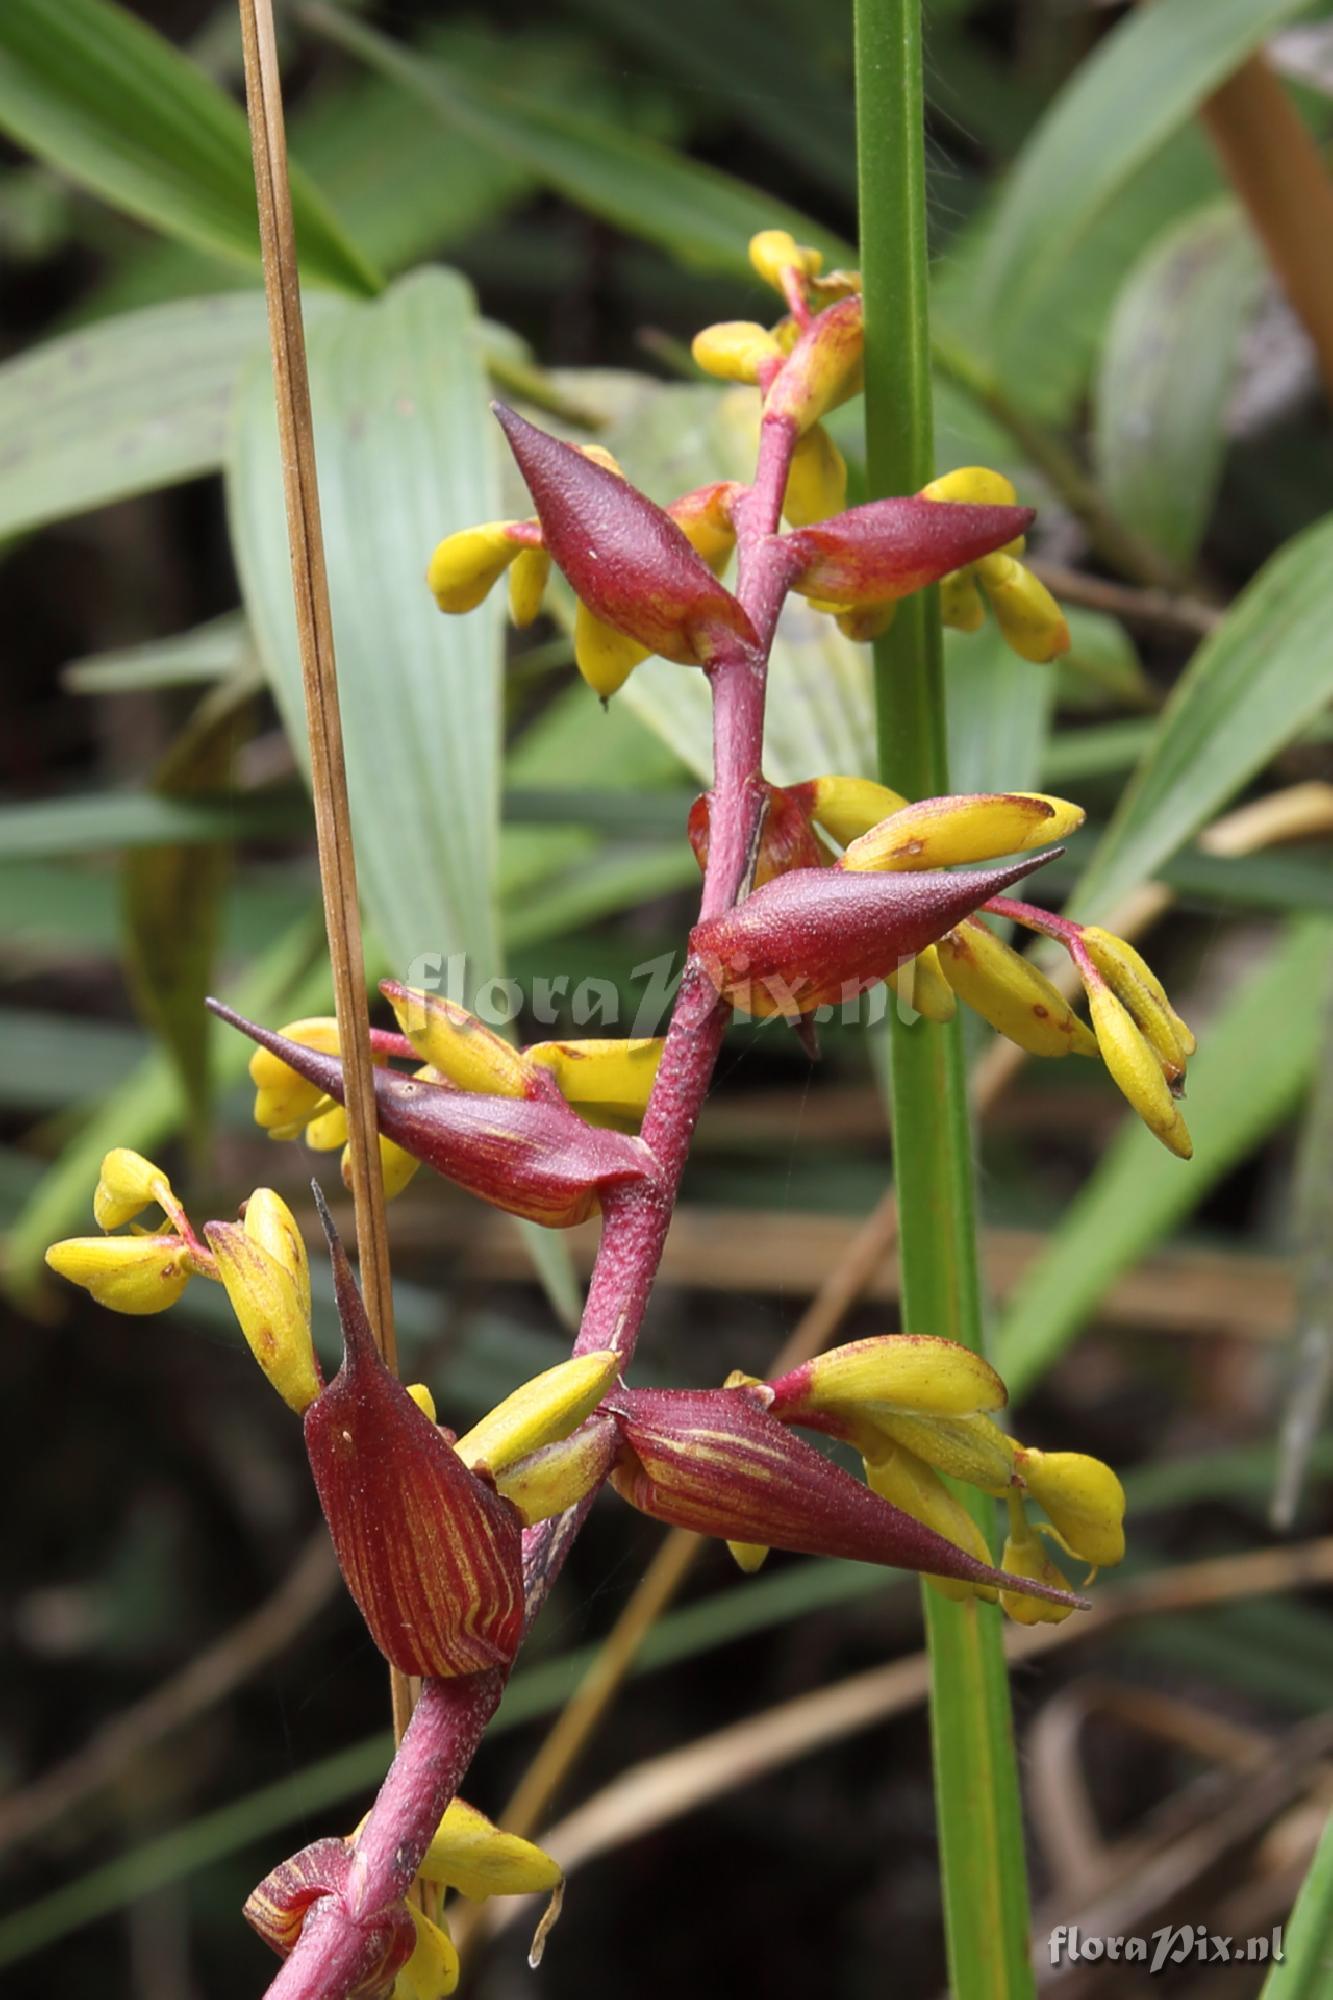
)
(107, 102)
(1307, 1941)
(207, 653)
(1143, 81)
(47, 1062)
(999, 710)
(1254, 1061)
(121, 407)
(1166, 372)
(96, 822)
(406, 455)
(1254, 683)
(699, 214)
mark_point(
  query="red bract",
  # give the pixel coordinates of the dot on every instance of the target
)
(431, 1554)
(787, 840)
(713, 1461)
(626, 558)
(534, 1158)
(875, 553)
(819, 935)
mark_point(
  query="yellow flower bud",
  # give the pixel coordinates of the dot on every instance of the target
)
(902, 1479)
(455, 1043)
(471, 1854)
(734, 350)
(1137, 1071)
(923, 986)
(423, 1399)
(704, 517)
(270, 1223)
(773, 252)
(128, 1182)
(1010, 992)
(864, 623)
(528, 576)
(902, 1372)
(559, 1475)
(962, 607)
(128, 1274)
(606, 658)
(431, 1973)
(824, 368)
(1081, 1498)
(973, 486)
(327, 1130)
(1025, 1555)
(817, 481)
(849, 807)
(972, 1449)
(271, 1302)
(397, 1168)
(749, 1557)
(1133, 980)
(613, 1078)
(465, 567)
(599, 455)
(937, 833)
(284, 1101)
(1032, 622)
(541, 1412)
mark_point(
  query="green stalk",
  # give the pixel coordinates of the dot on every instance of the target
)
(983, 1868)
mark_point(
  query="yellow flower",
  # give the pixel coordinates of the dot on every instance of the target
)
(264, 1268)
(128, 1274)
(1029, 618)
(127, 1184)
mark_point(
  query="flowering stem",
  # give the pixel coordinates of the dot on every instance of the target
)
(976, 1785)
(451, 1715)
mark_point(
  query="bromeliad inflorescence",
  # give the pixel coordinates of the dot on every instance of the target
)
(812, 893)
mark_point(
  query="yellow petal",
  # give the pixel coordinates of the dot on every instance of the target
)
(431, 1973)
(327, 1130)
(527, 586)
(270, 1223)
(606, 658)
(267, 1301)
(973, 486)
(910, 1372)
(775, 251)
(1032, 622)
(1081, 1498)
(817, 481)
(979, 826)
(283, 1098)
(972, 1449)
(923, 986)
(127, 1184)
(454, 1042)
(559, 1475)
(734, 350)
(1025, 1555)
(1129, 975)
(465, 567)
(863, 623)
(1010, 992)
(471, 1854)
(540, 1412)
(610, 1076)
(423, 1399)
(1137, 1071)
(748, 1556)
(902, 1479)
(128, 1274)
(962, 607)
(848, 807)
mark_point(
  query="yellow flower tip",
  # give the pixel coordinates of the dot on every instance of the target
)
(817, 480)
(327, 1130)
(605, 658)
(610, 1078)
(962, 607)
(272, 1307)
(1133, 981)
(1137, 1070)
(453, 1041)
(973, 486)
(466, 567)
(423, 1399)
(748, 1556)
(921, 984)
(901, 1372)
(126, 1185)
(471, 1854)
(970, 1448)
(127, 1274)
(775, 252)
(557, 1476)
(541, 1412)
(1028, 616)
(432, 1972)
(599, 455)
(1024, 1555)
(528, 576)
(1010, 992)
(865, 623)
(907, 1482)
(270, 1223)
(735, 350)
(284, 1102)
(849, 807)
(704, 517)
(1081, 1498)
(939, 833)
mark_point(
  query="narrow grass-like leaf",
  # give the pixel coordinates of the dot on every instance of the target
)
(1162, 61)
(95, 822)
(406, 455)
(107, 102)
(208, 653)
(697, 213)
(1253, 1063)
(1307, 1942)
(1166, 371)
(1253, 685)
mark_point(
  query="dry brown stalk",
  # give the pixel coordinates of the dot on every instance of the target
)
(314, 631)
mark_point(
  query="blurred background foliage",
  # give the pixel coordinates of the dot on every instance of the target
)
(547, 201)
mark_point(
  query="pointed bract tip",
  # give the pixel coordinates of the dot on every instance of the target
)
(358, 1339)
